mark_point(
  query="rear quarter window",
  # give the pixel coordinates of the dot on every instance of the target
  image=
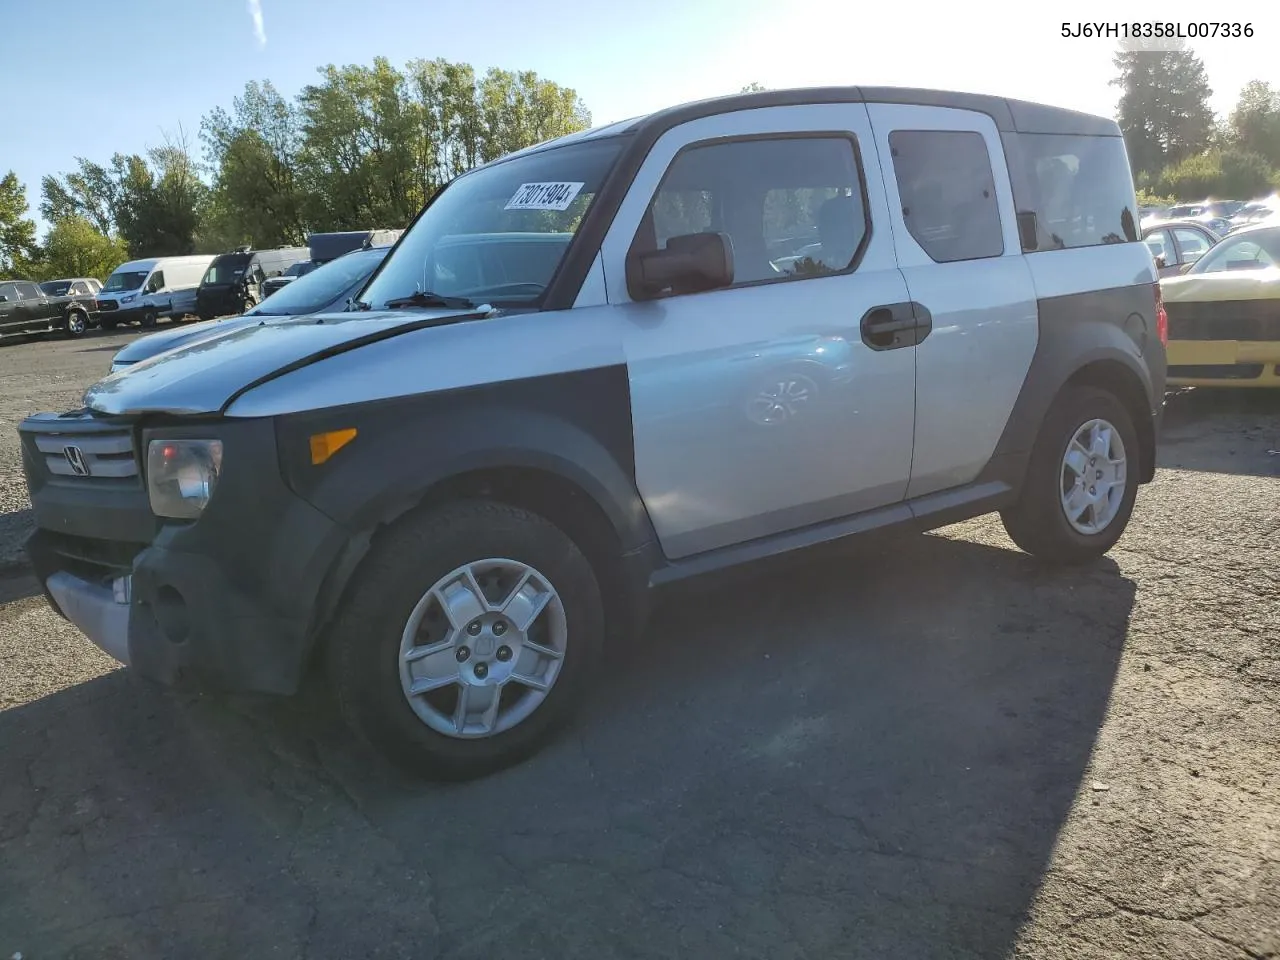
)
(1079, 188)
(948, 193)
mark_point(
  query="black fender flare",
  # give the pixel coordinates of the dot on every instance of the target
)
(394, 464)
(1069, 350)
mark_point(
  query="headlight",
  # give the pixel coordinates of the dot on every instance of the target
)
(181, 476)
(129, 299)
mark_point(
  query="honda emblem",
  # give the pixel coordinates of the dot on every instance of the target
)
(75, 457)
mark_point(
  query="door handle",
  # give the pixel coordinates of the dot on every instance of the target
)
(892, 326)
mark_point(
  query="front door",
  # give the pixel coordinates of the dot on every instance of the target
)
(786, 399)
(9, 316)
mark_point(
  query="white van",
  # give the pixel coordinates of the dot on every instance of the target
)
(145, 290)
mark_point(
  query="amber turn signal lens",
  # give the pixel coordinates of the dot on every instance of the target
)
(325, 445)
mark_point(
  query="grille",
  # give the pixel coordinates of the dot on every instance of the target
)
(88, 455)
(108, 305)
(1217, 371)
(94, 558)
(1224, 320)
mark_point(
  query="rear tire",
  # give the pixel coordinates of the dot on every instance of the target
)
(77, 324)
(415, 565)
(1073, 438)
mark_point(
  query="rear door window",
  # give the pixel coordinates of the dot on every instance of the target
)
(948, 193)
(1192, 244)
(1161, 246)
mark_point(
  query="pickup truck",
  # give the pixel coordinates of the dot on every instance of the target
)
(26, 309)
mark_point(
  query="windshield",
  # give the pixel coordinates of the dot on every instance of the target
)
(322, 286)
(226, 269)
(1254, 250)
(56, 288)
(498, 234)
(300, 268)
(131, 280)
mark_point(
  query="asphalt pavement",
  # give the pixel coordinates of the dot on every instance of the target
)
(929, 748)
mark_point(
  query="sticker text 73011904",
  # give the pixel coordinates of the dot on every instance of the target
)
(544, 196)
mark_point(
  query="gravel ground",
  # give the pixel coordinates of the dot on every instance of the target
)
(929, 749)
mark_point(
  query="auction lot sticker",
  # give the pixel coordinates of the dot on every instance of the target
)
(544, 196)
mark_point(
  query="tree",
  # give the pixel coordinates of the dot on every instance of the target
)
(754, 87)
(158, 200)
(89, 192)
(1164, 106)
(357, 157)
(18, 251)
(1254, 124)
(253, 152)
(521, 109)
(377, 142)
(152, 202)
(73, 247)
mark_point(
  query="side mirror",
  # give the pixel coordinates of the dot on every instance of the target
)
(1185, 267)
(688, 264)
(1160, 264)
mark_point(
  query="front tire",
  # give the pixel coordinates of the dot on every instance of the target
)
(149, 320)
(1082, 481)
(471, 636)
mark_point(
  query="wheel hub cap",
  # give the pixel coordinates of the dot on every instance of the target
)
(1093, 477)
(482, 648)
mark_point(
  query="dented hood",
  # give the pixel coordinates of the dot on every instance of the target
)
(205, 376)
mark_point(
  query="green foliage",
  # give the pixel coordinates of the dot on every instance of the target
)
(74, 247)
(1176, 148)
(1164, 107)
(18, 251)
(153, 203)
(1254, 124)
(256, 195)
(377, 142)
(1228, 174)
(1149, 198)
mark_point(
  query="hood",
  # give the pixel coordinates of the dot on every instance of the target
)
(1227, 285)
(203, 376)
(144, 348)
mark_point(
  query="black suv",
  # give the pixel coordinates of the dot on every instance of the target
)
(25, 308)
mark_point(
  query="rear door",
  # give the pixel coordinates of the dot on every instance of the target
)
(766, 406)
(955, 232)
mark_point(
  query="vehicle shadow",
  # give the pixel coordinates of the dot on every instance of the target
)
(865, 756)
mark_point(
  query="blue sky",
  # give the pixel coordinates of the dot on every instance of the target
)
(93, 77)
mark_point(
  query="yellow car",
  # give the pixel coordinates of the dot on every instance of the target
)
(1224, 313)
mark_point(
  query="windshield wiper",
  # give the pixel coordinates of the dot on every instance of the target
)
(425, 298)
